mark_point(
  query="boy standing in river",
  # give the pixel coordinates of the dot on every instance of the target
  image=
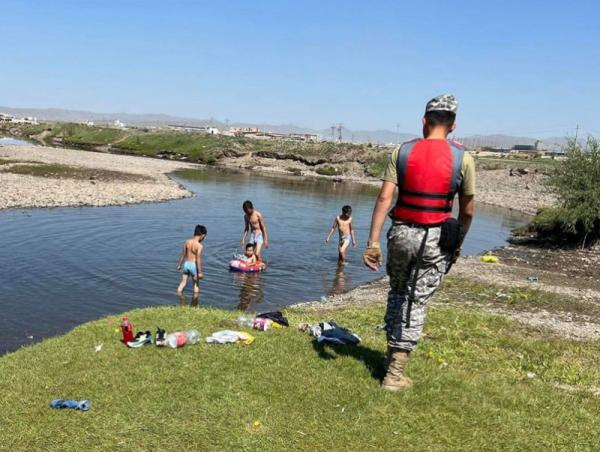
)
(343, 223)
(192, 255)
(254, 224)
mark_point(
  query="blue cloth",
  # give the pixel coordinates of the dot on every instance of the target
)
(82, 405)
(189, 267)
(256, 237)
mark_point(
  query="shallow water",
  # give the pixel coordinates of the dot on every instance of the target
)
(65, 266)
(5, 141)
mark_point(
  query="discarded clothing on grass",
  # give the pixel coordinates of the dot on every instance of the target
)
(229, 336)
(275, 316)
(333, 333)
(82, 405)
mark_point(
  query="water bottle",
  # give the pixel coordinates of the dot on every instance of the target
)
(176, 340)
(193, 336)
(245, 321)
(126, 330)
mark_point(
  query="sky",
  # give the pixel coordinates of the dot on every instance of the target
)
(528, 67)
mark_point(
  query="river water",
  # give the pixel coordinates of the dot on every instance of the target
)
(64, 266)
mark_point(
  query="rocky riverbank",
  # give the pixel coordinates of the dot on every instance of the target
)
(63, 177)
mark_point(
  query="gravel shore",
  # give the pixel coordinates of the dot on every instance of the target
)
(24, 191)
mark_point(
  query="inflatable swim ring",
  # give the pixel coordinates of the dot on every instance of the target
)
(241, 266)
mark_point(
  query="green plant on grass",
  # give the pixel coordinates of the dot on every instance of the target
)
(576, 181)
(328, 171)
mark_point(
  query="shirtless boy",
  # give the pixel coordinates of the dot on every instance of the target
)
(192, 255)
(255, 225)
(344, 224)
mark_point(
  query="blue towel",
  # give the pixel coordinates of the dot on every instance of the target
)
(82, 405)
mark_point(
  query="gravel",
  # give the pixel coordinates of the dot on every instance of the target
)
(24, 191)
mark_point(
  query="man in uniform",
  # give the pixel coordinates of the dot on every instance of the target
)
(424, 239)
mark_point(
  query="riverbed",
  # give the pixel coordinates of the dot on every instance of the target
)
(64, 266)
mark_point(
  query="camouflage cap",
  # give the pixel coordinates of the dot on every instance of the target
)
(444, 102)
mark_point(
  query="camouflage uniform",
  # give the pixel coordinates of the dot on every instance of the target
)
(413, 278)
(404, 320)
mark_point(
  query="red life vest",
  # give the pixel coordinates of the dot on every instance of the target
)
(429, 175)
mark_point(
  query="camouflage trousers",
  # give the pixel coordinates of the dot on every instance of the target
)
(420, 278)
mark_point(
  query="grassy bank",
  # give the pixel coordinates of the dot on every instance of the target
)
(58, 171)
(195, 147)
(472, 388)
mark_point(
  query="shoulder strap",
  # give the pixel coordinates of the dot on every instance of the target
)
(403, 153)
(458, 153)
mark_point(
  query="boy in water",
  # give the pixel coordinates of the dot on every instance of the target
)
(344, 224)
(255, 224)
(192, 254)
(249, 256)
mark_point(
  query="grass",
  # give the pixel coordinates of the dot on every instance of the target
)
(544, 165)
(284, 392)
(517, 299)
(196, 147)
(58, 171)
(328, 171)
(376, 166)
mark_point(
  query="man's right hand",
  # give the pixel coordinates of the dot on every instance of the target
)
(372, 258)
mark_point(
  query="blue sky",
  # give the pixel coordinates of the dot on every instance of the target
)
(527, 67)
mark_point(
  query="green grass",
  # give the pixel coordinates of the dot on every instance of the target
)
(194, 147)
(376, 166)
(329, 171)
(7, 162)
(58, 171)
(197, 147)
(544, 165)
(471, 391)
(516, 298)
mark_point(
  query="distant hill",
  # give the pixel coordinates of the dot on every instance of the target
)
(381, 136)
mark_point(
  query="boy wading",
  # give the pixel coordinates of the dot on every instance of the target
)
(424, 240)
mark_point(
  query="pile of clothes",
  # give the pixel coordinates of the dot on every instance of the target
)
(330, 332)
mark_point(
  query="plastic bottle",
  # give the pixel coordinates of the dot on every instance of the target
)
(262, 324)
(245, 321)
(176, 340)
(127, 330)
(193, 336)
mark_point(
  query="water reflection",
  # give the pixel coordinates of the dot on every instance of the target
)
(252, 290)
(341, 283)
(183, 300)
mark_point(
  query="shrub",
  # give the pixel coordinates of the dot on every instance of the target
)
(328, 171)
(576, 181)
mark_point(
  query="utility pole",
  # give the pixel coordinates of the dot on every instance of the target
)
(576, 133)
(332, 133)
(339, 128)
(397, 133)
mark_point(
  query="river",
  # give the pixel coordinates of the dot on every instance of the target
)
(64, 266)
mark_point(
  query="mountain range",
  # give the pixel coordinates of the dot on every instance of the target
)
(363, 136)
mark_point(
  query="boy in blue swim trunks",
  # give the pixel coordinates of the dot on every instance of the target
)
(254, 224)
(191, 258)
(343, 223)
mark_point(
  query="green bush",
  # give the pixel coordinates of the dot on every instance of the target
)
(576, 181)
(328, 171)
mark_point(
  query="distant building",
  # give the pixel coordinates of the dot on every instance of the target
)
(200, 129)
(524, 147)
(118, 124)
(5, 117)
